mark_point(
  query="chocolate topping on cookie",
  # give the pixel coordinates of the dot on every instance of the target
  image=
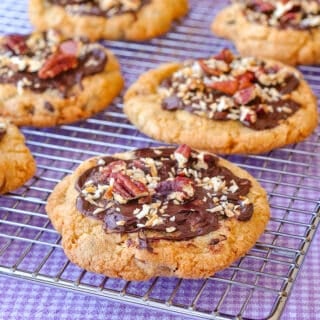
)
(297, 14)
(42, 61)
(164, 193)
(224, 87)
(105, 8)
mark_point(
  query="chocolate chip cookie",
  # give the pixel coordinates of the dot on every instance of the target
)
(288, 31)
(47, 80)
(16, 162)
(135, 20)
(158, 212)
(224, 104)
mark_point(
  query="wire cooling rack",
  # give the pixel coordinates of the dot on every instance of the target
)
(30, 248)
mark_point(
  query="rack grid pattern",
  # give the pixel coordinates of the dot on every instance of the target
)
(30, 248)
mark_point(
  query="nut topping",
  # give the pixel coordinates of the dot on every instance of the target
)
(127, 188)
(182, 200)
(229, 87)
(16, 43)
(297, 14)
(225, 87)
(107, 8)
(43, 60)
(182, 154)
(56, 64)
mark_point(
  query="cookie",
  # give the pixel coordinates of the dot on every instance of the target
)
(223, 104)
(158, 212)
(134, 20)
(16, 162)
(46, 80)
(288, 31)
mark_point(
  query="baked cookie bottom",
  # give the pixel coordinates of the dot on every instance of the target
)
(150, 21)
(29, 108)
(143, 108)
(86, 243)
(16, 162)
(288, 45)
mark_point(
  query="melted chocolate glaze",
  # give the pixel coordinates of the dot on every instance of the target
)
(191, 217)
(64, 81)
(94, 9)
(264, 121)
(283, 23)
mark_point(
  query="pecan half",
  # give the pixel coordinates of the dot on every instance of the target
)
(225, 55)
(57, 63)
(128, 189)
(229, 87)
(16, 43)
(112, 167)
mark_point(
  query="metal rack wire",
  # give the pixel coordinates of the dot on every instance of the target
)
(30, 248)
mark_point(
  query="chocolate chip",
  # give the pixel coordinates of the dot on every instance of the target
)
(48, 106)
(94, 62)
(144, 244)
(171, 103)
(230, 22)
(220, 115)
(246, 211)
(111, 220)
(29, 109)
(213, 242)
(291, 83)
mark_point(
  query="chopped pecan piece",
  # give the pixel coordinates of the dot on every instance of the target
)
(209, 70)
(112, 167)
(178, 184)
(244, 96)
(251, 117)
(290, 17)
(225, 55)
(57, 63)
(262, 109)
(128, 189)
(229, 87)
(262, 6)
(182, 154)
(248, 115)
(16, 43)
(245, 80)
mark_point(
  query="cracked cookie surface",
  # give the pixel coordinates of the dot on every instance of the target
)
(47, 80)
(16, 162)
(285, 31)
(223, 104)
(112, 19)
(158, 212)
